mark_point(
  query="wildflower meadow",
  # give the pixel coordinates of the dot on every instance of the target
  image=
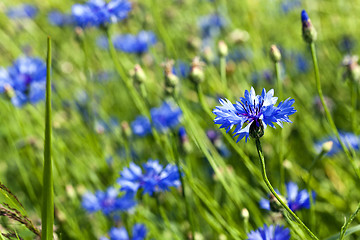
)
(179, 120)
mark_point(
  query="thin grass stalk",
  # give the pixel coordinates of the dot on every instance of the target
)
(327, 112)
(47, 213)
(268, 184)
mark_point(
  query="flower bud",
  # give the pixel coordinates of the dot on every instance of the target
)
(9, 91)
(327, 146)
(308, 31)
(238, 36)
(352, 68)
(139, 74)
(126, 129)
(275, 205)
(171, 80)
(194, 43)
(245, 213)
(223, 49)
(208, 54)
(275, 54)
(196, 72)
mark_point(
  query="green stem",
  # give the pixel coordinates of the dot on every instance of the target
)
(223, 74)
(327, 112)
(347, 223)
(354, 90)
(281, 134)
(47, 213)
(268, 184)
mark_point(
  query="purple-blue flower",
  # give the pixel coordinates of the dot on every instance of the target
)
(350, 140)
(296, 199)
(139, 232)
(270, 233)
(141, 126)
(138, 44)
(166, 116)
(108, 202)
(98, 12)
(211, 25)
(60, 19)
(24, 81)
(253, 109)
(155, 177)
(22, 11)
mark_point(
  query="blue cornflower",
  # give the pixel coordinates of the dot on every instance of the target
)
(165, 117)
(296, 199)
(22, 11)
(138, 44)
(139, 232)
(108, 202)
(98, 12)
(181, 69)
(350, 140)
(141, 126)
(25, 79)
(155, 178)
(270, 233)
(211, 25)
(60, 19)
(253, 110)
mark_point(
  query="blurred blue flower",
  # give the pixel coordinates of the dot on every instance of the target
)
(270, 233)
(181, 69)
(301, 62)
(141, 126)
(139, 232)
(99, 12)
(155, 178)
(138, 44)
(60, 19)
(24, 81)
(296, 199)
(22, 11)
(102, 42)
(165, 117)
(216, 140)
(108, 202)
(252, 109)
(288, 5)
(211, 25)
(350, 140)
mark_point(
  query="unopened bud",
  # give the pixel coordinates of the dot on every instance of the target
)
(171, 80)
(352, 68)
(196, 72)
(245, 213)
(327, 146)
(275, 54)
(9, 91)
(308, 31)
(208, 55)
(238, 36)
(275, 205)
(126, 129)
(223, 49)
(194, 43)
(139, 74)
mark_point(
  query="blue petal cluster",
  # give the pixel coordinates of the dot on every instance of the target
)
(138, 44)
(22, 11)
(60, 19)
(270, 233)
(211, 25)
(139, 232)
(296, 199)
(99, 12)
(155, 178)
(24, 81)
(252, 109)
(108, 202)
(163, 118)
(350, 140)
(304, 16)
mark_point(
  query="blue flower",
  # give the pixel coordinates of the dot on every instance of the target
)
(155, 178)
(270, 233)
(141, 126)
(296, 200)
(304, 17)
(22, 11)
(57, 18)
(139, 232)
(108, 202)
(350, 140)
(181, 69)
(26, 79)
(211, 25)
(98, 12)
(252, 109)
(138, 44)
(165, 117)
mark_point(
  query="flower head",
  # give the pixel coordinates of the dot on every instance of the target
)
(211, 25)
(139, 232)
(141, 126)
(296, 199)
(139, 43)
(270, 233)
(253, 112)
(22, 11)
(108, 201)
(308, 30)
(155, 178)
(350, 140)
